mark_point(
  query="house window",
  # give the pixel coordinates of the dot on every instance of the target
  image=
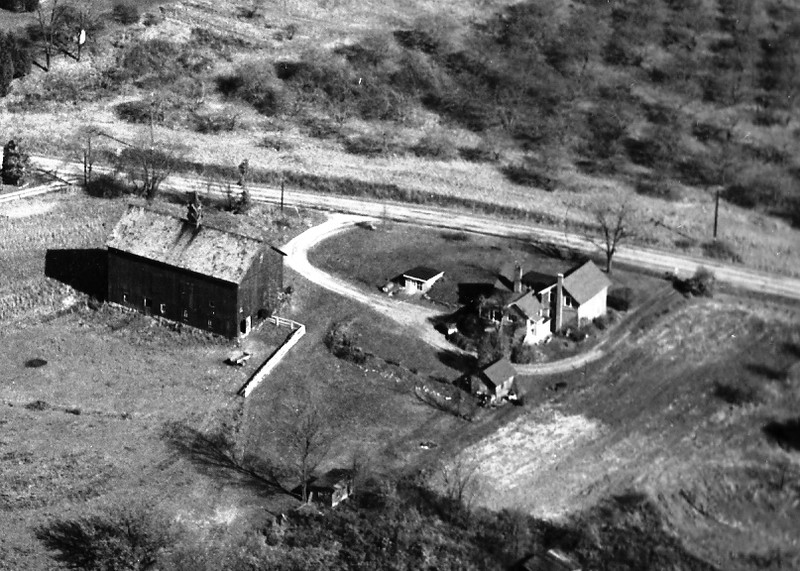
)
(124, 297)
(210, 324)
(162, 308)
(186, 314)
(148, 303)
(568, 301)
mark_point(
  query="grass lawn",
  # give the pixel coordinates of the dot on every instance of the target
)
(465, 258)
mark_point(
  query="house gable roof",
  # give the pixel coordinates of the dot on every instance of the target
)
(499, 372)
(527, 304)
(585, 282)
(171, 240)
(422, 273)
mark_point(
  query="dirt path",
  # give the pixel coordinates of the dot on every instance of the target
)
(407, 314)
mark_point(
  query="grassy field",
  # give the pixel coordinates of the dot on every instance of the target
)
(465, 258)
(682, 415)
(114, 414)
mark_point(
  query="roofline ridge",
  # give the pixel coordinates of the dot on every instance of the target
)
(203, 225)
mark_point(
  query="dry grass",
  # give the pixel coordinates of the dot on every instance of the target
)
(763, 242)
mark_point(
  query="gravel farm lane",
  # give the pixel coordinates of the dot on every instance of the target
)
(653, 260)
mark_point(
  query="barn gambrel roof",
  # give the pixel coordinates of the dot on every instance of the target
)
(173, 241)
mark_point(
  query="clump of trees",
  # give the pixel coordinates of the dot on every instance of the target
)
(15, 60)
(19, 5)
(14, 164)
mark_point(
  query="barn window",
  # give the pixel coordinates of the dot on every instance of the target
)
(124, 297)
(210, 324)
(148, 302)
(162, 308)
(211, 304)
(186, 314)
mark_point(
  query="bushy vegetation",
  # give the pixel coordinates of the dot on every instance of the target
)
(342, 341)
(387, 525)
(125, 13)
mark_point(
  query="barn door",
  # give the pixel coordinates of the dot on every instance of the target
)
(187, 299)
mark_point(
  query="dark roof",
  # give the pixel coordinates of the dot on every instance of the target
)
(171, 240)
(527, 304)
(423, 273)
(499, 372)
(585, 282)
(538, 281)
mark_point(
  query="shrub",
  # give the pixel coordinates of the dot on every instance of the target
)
(721, 250)
(215, 122)
(341, 340)
(435, 146)
(125, 13)
(120, 537)
(367, 145)
(739, 394)
(155, 58)
(6, 71)
(107, 186)
(701, 284)
(529, 175)
(255, 84)
(601, 322)
(480, 154)
(657, 187)
(620, 299)
(525, 354)
(139, 111)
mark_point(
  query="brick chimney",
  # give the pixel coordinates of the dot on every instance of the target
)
(559, 302)
(518, 278)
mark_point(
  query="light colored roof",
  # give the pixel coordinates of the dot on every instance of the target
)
(499, 371)
(527, 304)
(585, 282)
(423, 273)
(171, 240)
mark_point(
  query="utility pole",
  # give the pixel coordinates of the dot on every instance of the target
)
(716, 214)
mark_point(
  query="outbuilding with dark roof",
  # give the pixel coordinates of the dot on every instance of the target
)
(186, 271)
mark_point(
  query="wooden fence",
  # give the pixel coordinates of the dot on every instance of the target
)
(298, 331)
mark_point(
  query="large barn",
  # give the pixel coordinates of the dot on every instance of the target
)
(191, 272)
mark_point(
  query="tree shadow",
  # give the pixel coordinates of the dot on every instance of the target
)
(458, 361)
(85, 270)
(214, 455)
(792, 349)
(469, 293)
(785, 434)
(766, 371)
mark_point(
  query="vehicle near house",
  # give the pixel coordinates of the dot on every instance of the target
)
(193, 273)
(544, 304)
(330, 489)
(491, 384)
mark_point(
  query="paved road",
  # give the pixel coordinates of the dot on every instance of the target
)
(653, 260)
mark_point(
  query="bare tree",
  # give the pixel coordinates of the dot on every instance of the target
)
(460, 482)
(49, 20)
(614, 226)
(308, 444)
(149, 163)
